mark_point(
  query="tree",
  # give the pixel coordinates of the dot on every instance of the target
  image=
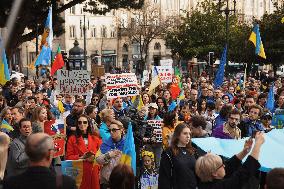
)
(33, 13)
(146, 24)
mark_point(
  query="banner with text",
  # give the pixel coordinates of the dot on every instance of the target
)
(121, 85)
(73, 82)
(165, 73)
(157, 129)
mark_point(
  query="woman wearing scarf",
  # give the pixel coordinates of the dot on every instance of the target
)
(110, 152)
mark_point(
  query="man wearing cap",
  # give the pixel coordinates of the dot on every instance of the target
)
(266, 119)
(153, 112)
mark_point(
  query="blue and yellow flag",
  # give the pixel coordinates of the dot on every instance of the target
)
(6, 127)
(218, 81)
(155, 82)
(44, 57)
(4, 69)
(270, 99)
(128, 153)
(256, 39)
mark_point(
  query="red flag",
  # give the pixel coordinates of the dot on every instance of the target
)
(57, 63)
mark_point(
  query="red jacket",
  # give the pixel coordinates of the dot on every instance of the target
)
(76, 148)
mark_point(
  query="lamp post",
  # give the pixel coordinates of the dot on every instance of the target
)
(27, 53)
(227, 12)
(83, 26)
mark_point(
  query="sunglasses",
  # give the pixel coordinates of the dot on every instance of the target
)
(113, 130)
(95, 99)
(82, 122)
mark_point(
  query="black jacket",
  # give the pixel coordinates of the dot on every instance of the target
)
(177, 172)
(38, 178)
(237, 175)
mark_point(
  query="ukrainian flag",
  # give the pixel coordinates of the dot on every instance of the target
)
(128, 153)
(256, 39)
(155, 82)
(44, 58)
(5, 127)
(4, 69)
(270, 99)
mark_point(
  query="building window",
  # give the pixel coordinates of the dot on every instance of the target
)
(81, 32)
(125, 48)
(155, 1)
(93, 32)
(72, 10)
(72, 31)
(157, 46)
(112, 33)
(103, 31)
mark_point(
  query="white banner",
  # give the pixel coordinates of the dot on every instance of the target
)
(165, 73)
(74, 82)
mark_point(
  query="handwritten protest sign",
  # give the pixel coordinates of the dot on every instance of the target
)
(157, 129)
(121, 85)
(74, 82)
(56, 129)
(165, 73)
(149, 181)
(167, 62)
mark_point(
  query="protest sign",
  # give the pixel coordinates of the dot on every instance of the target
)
(59, 145)
(54, 127)
(165, 73)
(149, 181)
(145, 77)
(121, 85)
(167, 62)
(73, 82)
(157, 129)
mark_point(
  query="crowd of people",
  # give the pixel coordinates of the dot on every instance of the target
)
(166, 158)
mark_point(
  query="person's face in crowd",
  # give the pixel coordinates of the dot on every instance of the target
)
(239, 105)
(147, 162)
(32, 84)
(280, 100)
(160, 103)
(231, 90)
(32, 103)
(152, 111)
(26, 128)
(93, 115)
(68, 99)
(83, 124)
(142, 112)
(43, 115)
(59, 97)
(249, 102)
(109, 103)
(39, 98)
(204, 91)
(115, 132)
(95, 100)
(203, 105)
(80, 97)
(8, 116)
(266, 121)
(167, 95)
(193, 94)
(55, 82)
(17, 116)
(111, 116)
(14, 89)
(44, 95)
(194, 108)
(78, 108)
(28, 93)
(145, 98)
(1, 102)
(220, 172)
(217, 93)
(187, 94)
(46, 85)
(210, 93)
(254, 114)
(234, 120)
(118, 104)
(94, 81)
(184, 137)
(226, 99)
(184, 111)
(262, 101)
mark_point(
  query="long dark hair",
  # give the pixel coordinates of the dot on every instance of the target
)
(90, 129)
(174, 142)
(122, 177)
(169, 119)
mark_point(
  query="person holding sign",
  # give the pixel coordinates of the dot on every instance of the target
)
(84, 145)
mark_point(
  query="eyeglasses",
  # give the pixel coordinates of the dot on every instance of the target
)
(113, 130)
(82, 122)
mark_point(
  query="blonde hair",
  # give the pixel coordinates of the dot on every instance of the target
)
(105, 113)
(206, 166)
(4, 144)
(118, 123)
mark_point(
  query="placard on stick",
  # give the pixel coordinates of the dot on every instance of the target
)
(157, 129)
(74, 82)
(121, 85)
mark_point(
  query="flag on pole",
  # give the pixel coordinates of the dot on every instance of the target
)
(221, 70)
(6, 127)
(128, 153)
(44, 57)
(245, 77)
(156, 81)
(256, 40)
(140, 103)
(58, 63)
(270, 99)
(4, 69)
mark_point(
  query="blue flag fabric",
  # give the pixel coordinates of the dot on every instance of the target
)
(221, 70)
(270, 99)
(128, 153)
(4, 69)
(272, 151)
